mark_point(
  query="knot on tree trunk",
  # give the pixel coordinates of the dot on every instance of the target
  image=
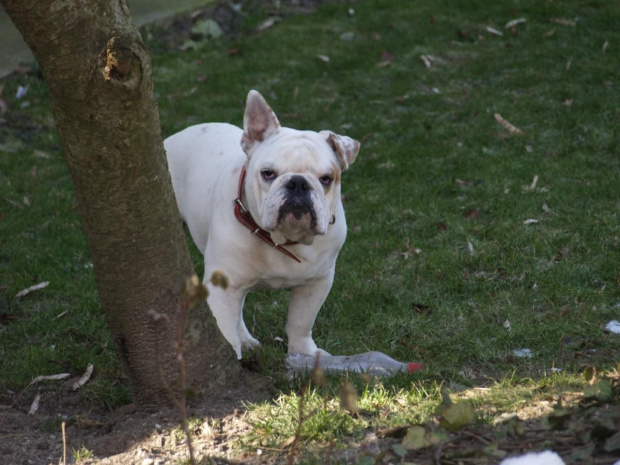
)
(119, 61)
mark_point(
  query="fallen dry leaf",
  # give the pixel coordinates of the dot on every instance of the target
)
(563, 21)
(472, 214)
(28, 290)
(470, 248)
(530, 221)
(387, 57)
(267, 24)
(549, 33)
(35, 404)
(532, 186)
(85, 377)
(510, 127)
(494, 31)
(426, 60)
(605, 45)
(514, 22)
(57, 377)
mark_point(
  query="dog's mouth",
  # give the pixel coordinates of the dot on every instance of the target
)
(297, 213)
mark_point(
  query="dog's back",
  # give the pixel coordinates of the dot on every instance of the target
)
(199, 158)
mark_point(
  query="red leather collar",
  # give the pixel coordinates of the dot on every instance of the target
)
(245, 218)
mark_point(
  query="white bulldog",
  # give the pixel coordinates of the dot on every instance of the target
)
(263, 205)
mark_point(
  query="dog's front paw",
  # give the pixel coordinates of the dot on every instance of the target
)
(304, 346)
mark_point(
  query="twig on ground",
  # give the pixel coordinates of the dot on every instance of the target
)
(64, 444)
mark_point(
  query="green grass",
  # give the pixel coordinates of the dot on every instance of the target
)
(550, 286)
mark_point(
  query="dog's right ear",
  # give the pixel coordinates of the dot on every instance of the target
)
(259, 122)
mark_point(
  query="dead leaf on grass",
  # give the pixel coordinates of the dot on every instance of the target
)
(512, 129)
(532, 186)
(472, 214)
(419, 438)
(495, 32)
(470, 248)
(514, 22)
(85, 377)
(84, 422)
(267, 23)
(56, 377)
(348, 397)
(387, 58)
(456, 416)
(28, 290)
(530, 221)
(549, 33)
(422, 309)
(35, 404)
(563, 21)
(605, 45)
(562, 253)
(426, 60)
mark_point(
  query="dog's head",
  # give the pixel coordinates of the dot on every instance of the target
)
(293, 177)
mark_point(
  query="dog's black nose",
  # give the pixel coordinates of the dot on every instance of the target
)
(297, 185)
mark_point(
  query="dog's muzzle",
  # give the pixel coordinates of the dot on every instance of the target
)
(298, 201)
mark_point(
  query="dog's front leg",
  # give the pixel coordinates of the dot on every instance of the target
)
(226, 305)
(306, 301)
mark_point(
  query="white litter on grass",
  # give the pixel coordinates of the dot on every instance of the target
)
(530, 221)
(494, 31)
(546, 457)
(613, 327)
(30, 289)
(84, 379)
(514, 22)
(470, 248)
(35, 404)
(57, 377)
(523, 353)
(323, 58)
(21, 91)
(555, 369)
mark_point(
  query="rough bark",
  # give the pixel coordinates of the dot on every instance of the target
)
(99, 77)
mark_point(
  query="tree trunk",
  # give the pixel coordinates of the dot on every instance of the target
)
(99, 76)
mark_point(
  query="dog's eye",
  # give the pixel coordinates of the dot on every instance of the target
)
(326, 180)
(268, 175)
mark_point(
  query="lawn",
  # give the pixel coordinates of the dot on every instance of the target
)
(469, 241)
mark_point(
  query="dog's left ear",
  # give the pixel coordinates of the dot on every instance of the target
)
(259, 122)
(345, 147)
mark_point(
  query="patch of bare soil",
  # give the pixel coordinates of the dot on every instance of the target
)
(125, 436)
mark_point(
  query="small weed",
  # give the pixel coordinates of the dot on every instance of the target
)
(82, 454)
